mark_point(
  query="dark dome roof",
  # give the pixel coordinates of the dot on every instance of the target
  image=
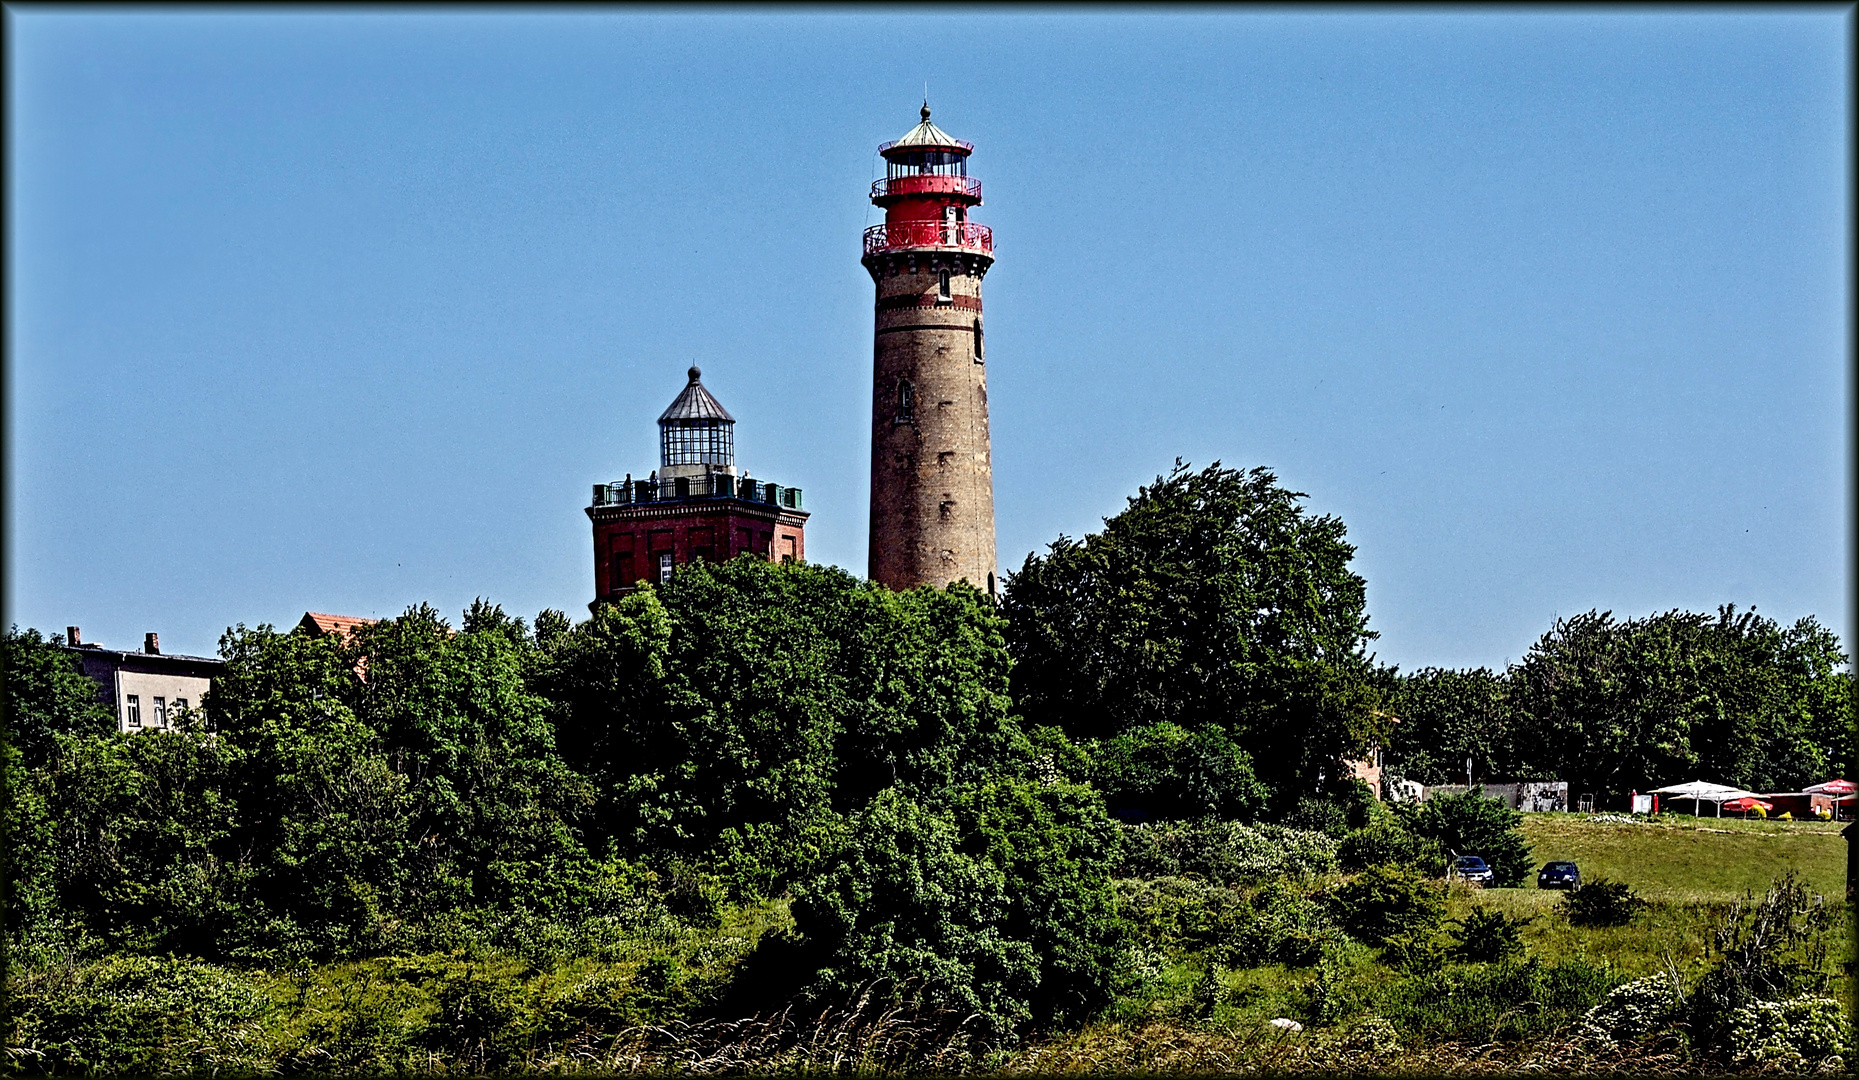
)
(695, 403)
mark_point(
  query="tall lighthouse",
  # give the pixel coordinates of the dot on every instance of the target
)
(932, 477)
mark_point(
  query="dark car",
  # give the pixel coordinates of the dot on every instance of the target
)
(1472, 869)
(1559, 875)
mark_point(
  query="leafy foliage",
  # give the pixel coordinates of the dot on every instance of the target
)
(1766, 950)
(1213, 599)
(1610, 705)
(1384, 902)
(1601, 902)
(1387, 842)
(1223, 851)
(46, 694)
(1487, 935)
(1471, 824)
(1165, 771)
(1004, 906)
(743, 707)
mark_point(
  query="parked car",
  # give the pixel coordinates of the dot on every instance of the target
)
(1559, 875)
(1473, 869)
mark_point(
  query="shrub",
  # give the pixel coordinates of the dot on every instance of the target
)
(1166, 771)
(1282, 926)
(1767, 950)
(1487, 935)
(1222, 851)
(137, 1014)
(1633, 1010)
(1389, 843)
(1385, 901)
(1320, 815)
(1808, 1032)
(1000, 904)
(1471, 824)
(1601, 902)
(1179, 912)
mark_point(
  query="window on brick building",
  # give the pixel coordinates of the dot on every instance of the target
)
(664, 569)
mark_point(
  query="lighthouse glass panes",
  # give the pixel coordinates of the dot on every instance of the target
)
(697, 442)
(926, 163)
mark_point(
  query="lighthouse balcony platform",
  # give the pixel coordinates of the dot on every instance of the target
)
(896, 236)
(710, 486)
(925, 185)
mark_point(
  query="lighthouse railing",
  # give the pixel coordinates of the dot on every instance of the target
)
(910, 234)
(926, 184)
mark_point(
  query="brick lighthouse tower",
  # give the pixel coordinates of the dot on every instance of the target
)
(932, 477)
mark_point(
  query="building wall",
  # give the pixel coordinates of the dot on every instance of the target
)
(932, 472)
(171, 679)
(629, 540)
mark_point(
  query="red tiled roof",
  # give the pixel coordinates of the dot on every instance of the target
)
(340, 625)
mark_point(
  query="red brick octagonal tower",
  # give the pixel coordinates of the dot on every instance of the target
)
(932, 477)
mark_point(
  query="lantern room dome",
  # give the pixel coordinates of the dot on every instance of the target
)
(695, 403)
(927, 136)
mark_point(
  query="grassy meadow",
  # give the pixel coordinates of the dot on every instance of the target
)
(1455, 1017)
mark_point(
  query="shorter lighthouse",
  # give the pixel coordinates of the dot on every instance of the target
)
(693, 506)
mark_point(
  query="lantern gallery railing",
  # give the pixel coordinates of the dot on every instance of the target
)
(926, 184)
(911, 234)
(709, 486)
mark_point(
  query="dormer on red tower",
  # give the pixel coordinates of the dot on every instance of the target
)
(693, 506)
(932, 473)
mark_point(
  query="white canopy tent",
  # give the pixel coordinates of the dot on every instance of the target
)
(1702, 791)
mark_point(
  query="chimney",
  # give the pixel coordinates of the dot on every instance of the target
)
(151, 643)
(73, 636)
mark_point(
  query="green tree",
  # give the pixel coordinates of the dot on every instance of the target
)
(1471, 824)
(746, 706)
(1212, 599)
(1611, 706)
(139, 825)
(46, 694)
(1165, 771)
(1446, 716)
(1001, 904)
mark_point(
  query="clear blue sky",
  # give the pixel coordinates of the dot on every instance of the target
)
(346, 311)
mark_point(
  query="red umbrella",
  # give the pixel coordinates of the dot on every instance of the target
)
(1748, 803)
(1831, 787)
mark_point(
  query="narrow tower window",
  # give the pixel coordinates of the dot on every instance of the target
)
(906, 400)
(942, 286)
(980, 357)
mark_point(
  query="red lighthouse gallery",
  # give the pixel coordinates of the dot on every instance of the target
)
(693, 506)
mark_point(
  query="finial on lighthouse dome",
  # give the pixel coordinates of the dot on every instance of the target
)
(695, 373)
(926, 136)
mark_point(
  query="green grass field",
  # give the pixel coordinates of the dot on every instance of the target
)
(1692, 860)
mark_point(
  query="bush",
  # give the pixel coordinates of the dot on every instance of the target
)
(1320, 815)
(1633, 1010)
(1282, 926)
(1222, 851)
(136, 1014)
(1181, 913)
(1389, 843)
(1471, 824)
(1165, 771)
(1000, 904)
(1808, 1032)
(1601, 902)
(1487, 935)
(1384, 902)
(1767, 950)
